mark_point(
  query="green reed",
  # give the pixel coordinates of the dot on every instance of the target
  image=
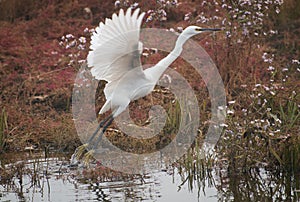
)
(195, 169)
(3, 128)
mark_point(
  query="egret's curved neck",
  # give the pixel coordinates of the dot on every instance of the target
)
(156, 71)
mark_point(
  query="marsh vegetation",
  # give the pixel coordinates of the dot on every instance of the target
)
(44, 43)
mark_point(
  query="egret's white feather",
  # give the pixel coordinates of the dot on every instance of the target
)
(114, 44)
(127, 16)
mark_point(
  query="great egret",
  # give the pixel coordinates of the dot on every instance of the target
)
(115, 57)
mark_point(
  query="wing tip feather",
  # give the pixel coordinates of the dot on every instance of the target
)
(132, 20)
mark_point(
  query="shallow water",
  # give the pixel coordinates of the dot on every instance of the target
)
(52, 179)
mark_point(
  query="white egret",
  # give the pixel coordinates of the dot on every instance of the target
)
(115, 57)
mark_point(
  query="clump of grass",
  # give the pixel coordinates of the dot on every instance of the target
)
(99, 173)
(265, 136)
(195, 169)
(289, 112)
(31, 173)
(290, 154)
(3, 129)
(174, 117)
(251, 186)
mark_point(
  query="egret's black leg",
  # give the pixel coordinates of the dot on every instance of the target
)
(109, 121)
(92, 146)
(101, 124)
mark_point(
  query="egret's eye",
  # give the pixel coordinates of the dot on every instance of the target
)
(198, 29)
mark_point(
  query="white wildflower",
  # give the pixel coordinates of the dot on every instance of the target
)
(133, 6)
(223, 125)
(82, 40)
(117, 3)
(230, 111)
(70, 36)
(180, 29)
(285, 69)
(86, 30)
(231, 102)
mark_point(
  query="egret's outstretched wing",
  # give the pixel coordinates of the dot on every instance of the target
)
(115, 46)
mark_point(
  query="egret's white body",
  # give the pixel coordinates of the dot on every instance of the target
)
(115, 57)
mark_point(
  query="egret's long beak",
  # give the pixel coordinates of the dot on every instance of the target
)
(210, 29)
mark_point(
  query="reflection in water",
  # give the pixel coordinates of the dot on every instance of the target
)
(259, 185)
(188, 180)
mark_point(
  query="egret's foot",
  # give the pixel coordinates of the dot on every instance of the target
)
(88, 157)
(79, 152)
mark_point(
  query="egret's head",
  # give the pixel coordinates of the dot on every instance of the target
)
(194, 30)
